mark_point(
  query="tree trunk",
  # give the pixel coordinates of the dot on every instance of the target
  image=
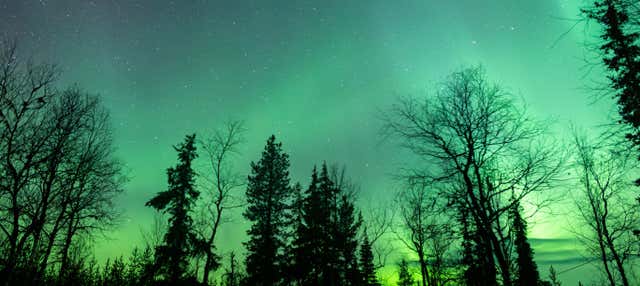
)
(424, 271)
(208, 265)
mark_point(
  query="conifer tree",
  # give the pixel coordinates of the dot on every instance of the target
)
(527, 269)
(269, 198)
(297, 262)
(404, 276)
(479, 266)
(310, 235)
(468, 260)
(553, 277)
(621, 56)
(325, 243)
(140, 268)
(172, 257)
(346, 241)
(368, 270)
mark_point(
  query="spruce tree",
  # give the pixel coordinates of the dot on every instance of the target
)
(527, 269)
(404, 276)
(330, 246)
(309, 235)
(269, 198)
(325, 244)
(553, 277)
(479, 266)
(172, 257)
(297, 262)
(621, 56)
(367, 269)
(468, 260)
(346, 241)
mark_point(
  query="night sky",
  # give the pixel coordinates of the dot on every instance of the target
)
(314, 73)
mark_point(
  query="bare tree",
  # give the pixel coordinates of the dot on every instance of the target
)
(426, 231)
(59, 173)
(24, 87)
(223, 184)
(377, 218)
(481, 147)
(378, 221)
(606, 204)
(93, 177)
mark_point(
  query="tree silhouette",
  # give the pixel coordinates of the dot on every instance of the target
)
(482, 148)
(232, 276)
(605, 205)
(325, 242)
(141, 266)
(60, 175)
(312, 238)
(180, 243)
(346, 240)
(553, 277)
(621, 56)
(269, 197)
(219, 195)
(298, 265)
(404, 276)
(426, 231)
(367, 268)
(527, 274)
(479, 268)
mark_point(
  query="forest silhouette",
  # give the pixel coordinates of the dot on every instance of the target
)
(460, 211)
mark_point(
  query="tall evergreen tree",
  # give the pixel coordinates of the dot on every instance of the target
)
(269, 198)
(325, 243)
(368, 270)
(328, 225)
(621, 56)
(297, 262)
(468, 260)
(310, 235)
(346, 241)
(404, 276)
(527, 269)
(172, 257)
(479, 266)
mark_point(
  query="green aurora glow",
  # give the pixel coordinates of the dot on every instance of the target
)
(315, 73)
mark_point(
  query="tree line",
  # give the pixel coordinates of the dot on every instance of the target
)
(484, 166)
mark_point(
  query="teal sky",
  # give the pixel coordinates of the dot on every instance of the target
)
(314, 73)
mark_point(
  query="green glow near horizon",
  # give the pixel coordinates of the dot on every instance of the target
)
(313, 73)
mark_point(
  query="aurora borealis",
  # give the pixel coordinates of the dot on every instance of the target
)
(314, 73)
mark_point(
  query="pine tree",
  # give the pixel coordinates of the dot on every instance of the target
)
(114, 273)
(621, 56)
(172, 257)
(527, 269)
(468, 260)
(346, 241)
(328, 223)
(367, 269)
(269, 198)
(404, 276)
(479, 265)
(553, 277)
(297, 262)
(140, 268)
(325, 243)
(308, 243)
